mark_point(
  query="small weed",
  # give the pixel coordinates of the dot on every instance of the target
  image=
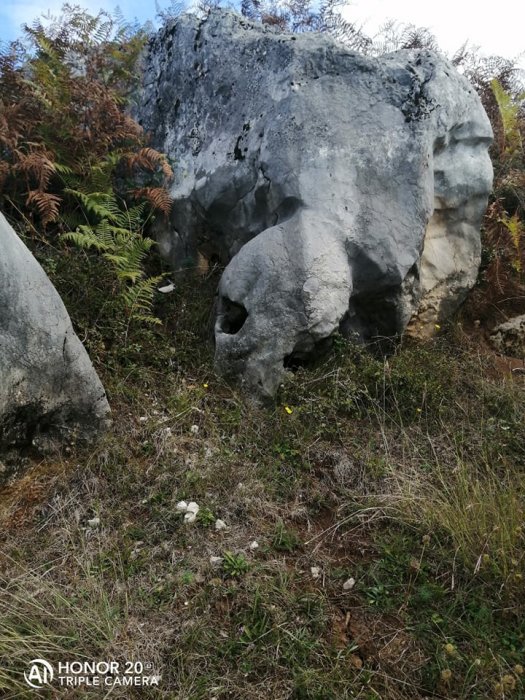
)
(234, 565)
(205, 517)
(187, 578)
(377, 595)
(285, 540)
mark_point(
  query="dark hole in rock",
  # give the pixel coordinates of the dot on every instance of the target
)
(231, 316)
(373, 322)
(237, 151)
(294, 361)
(306, 354)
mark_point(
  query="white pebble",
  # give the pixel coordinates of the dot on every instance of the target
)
(315, 571)
(190, 517)
(94, 522)
(193, 507)
(181, 507)
(349, 584)
(254, 545)
(194, 429)
(220, 524)
(215, 561)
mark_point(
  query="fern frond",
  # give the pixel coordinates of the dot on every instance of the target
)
(147, 158)
(139, 299)
(63, 169)
(47, 205)
(38, 166)
(509, 109)
(83, 240)
(125, 270)
(128, 257)
(136, 216)
(516, 230)
(159, 198)
(99, 203)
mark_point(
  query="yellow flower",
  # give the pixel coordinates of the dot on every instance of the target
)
(205, 385)
(446, 675)
(288, 410)
(437, 327)
(518, 670)
(450, 649)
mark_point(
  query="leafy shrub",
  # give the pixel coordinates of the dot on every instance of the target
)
(63, 92)
(118, 236)
(71, 159)
(502, 279)
(307, 16)
(505, 220)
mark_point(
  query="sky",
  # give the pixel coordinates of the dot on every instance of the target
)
(452, 21)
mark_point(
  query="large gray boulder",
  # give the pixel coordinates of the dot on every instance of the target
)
(49, 390)
(345, 192)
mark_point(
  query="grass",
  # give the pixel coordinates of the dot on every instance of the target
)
(482, 516)
(406, 475)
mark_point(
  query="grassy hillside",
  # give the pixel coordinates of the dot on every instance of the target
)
(405, 475)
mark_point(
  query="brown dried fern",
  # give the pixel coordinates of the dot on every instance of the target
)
(158, 197)
(150, 159)
(47, 205)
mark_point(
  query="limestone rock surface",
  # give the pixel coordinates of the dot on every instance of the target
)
(343, 192)
(509, 337)
(48, 388)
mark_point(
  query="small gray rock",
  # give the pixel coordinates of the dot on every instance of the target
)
(509, 337)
